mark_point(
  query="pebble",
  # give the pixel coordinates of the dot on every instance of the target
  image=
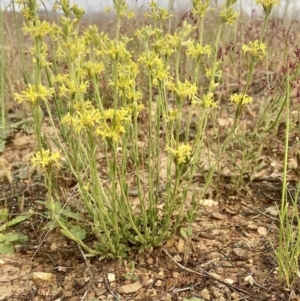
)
(111, 277)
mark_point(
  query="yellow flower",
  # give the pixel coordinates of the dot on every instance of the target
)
(32, 94)
(157, 13)
(256, 49)
(184, 90)
(241, 99)
(38, 30)
(45, 158)
(267, 4)
(86, 116)
(27, 12)
(112, 124)
(93, 68)
(145, 32)
(171, 115)
(208, 100)
(196, 51)
(110, 133)
(201, 8)
(228, 16)
(182, 154)
(180, 37)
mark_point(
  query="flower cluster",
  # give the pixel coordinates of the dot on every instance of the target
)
(113, 123)
(200, 8)
(108, 124)
(256, 49)
(207, 100)
(228, 16)
(38, 30)
(184, 90)
(240, 99)
(156, 67)
(182, 154)
(181, 36)
(33, 94)
(46, 158)
(157, 13)
(86, 116)
(267, 4)
(68, 86)
(197, 50)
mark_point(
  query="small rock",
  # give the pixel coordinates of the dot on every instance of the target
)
(18, 248)
(240, 252)
(149, 282)
(130, 288)
(180, 245)
(219, 216)
(158, 283)
(205, 294)
(252, 225)
(169, 243)
(208, 203)
(249, 279)
(151, 292)
(38, 277)
(235, 296)
(272, 210)
(228, 280)
(175, 275)
(111, 277)
(62, 269)
(150, 260)
(161, 274)
(177, 258)
(100, 292)
(262, 231)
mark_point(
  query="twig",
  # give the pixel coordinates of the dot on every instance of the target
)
(206, 274)
(203, 273)
(260, 213)
(116, 296)
(90, 273)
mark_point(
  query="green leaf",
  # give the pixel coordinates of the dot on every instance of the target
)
(66, 234)
(3, 214)
(75, 232)
(50, 225)
(2, 237)
(68, 213)
(89, 255)
(6, 249)
(183, 233)
(17, 220)
(12, 237)
(78, 232)
(16, 237)
(57, 208)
